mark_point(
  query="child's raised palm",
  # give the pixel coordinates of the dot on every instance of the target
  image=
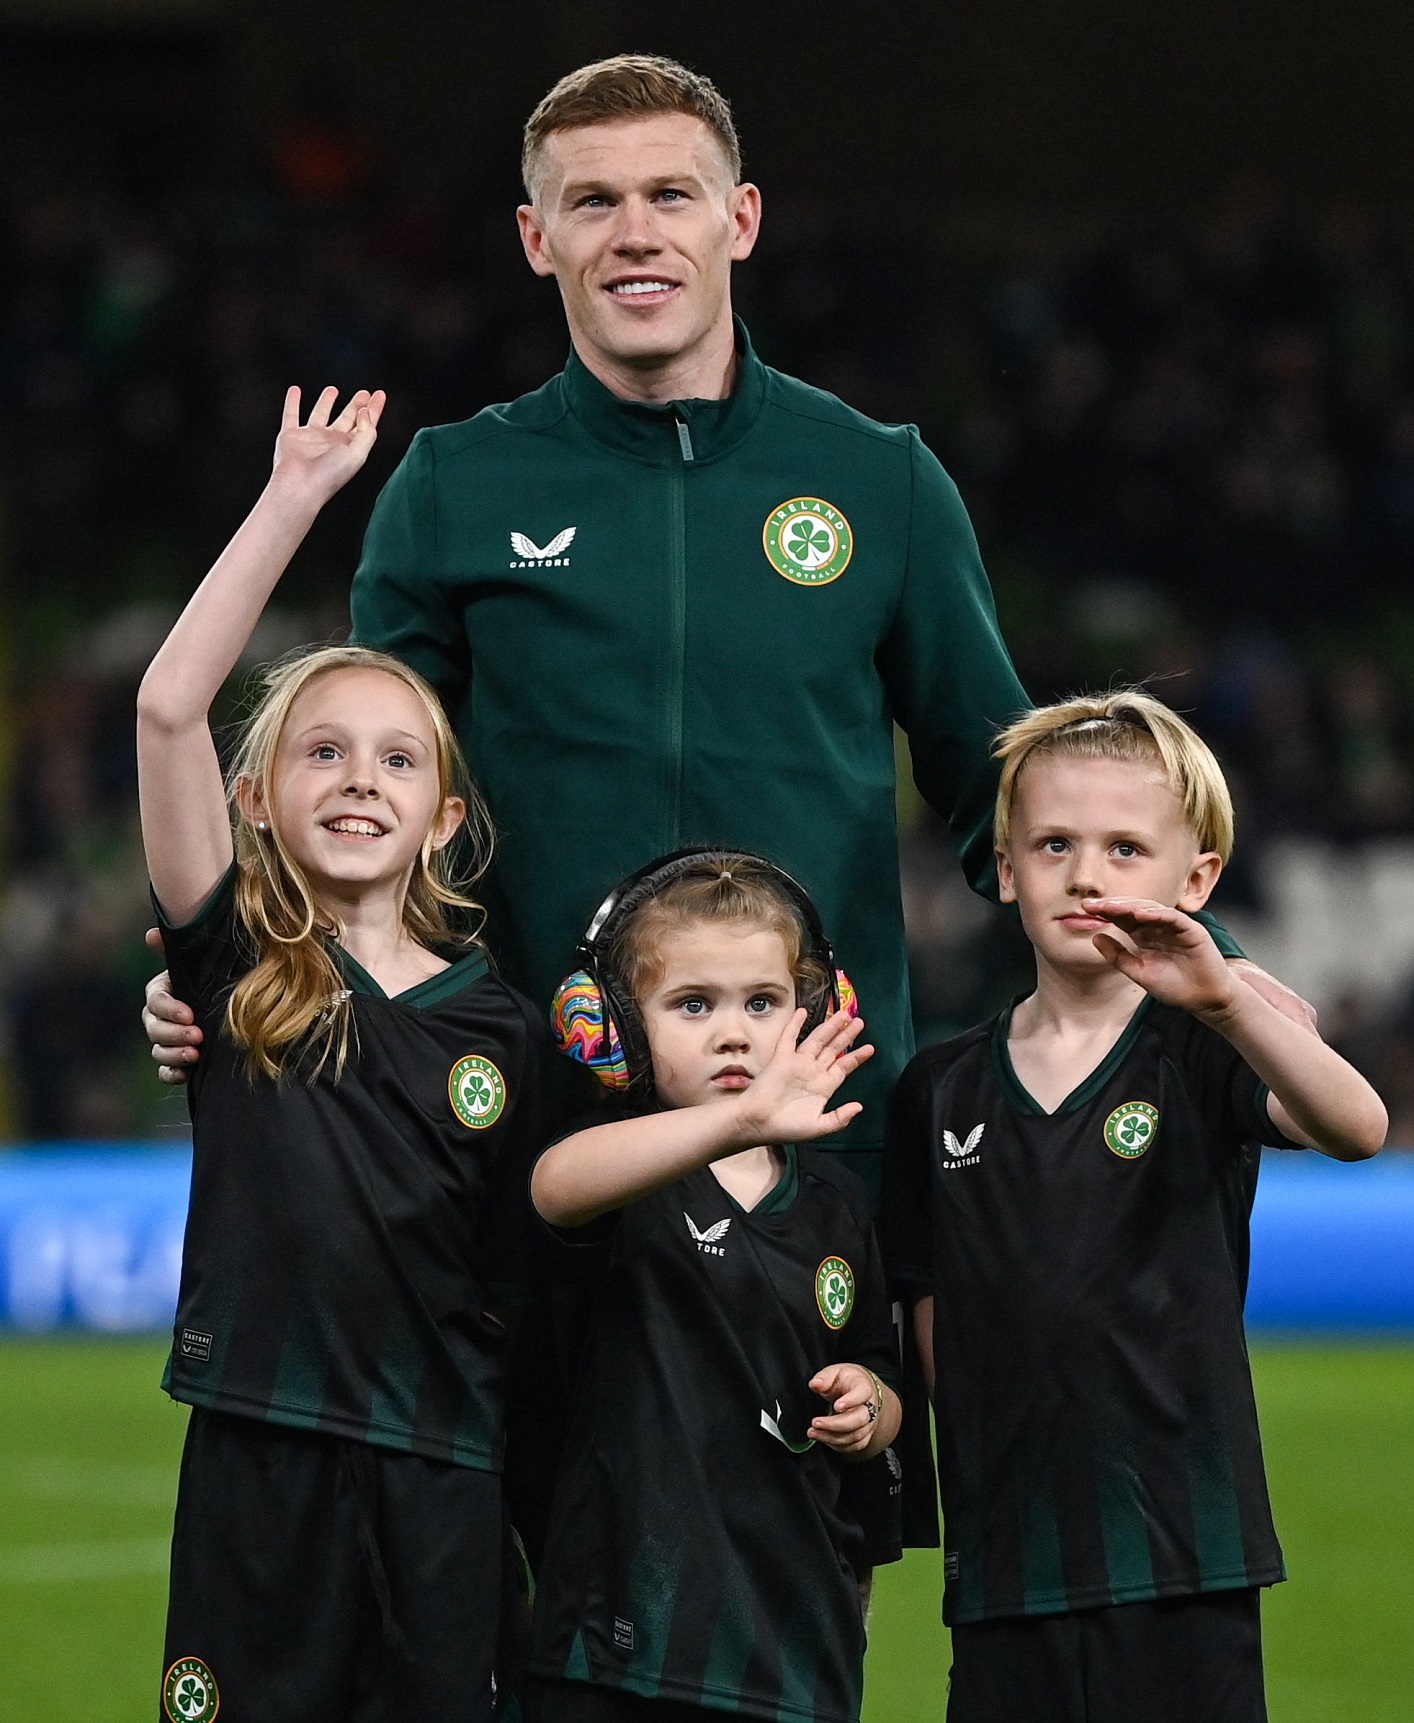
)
(787, 1101)
(320, 457)
(1169, 954)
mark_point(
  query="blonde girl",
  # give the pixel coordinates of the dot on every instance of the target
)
(363, 1117)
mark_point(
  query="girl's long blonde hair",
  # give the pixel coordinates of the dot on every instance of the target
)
(291, 1008)
(1125, 725)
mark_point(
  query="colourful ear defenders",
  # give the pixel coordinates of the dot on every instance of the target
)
(595, 1023)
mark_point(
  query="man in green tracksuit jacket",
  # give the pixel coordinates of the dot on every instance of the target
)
(675, 597)
(696, 622)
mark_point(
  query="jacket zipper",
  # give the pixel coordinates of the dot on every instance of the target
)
(677, 633)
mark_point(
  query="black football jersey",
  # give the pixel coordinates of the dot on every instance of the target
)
(699, 1549)
(1096, 1428)
(345, 1238)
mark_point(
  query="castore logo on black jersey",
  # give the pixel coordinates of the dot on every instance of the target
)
(709, 1242)
(964, 1153)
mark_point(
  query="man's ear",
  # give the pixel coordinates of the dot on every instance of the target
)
(1006, 878)
(532, 237)
(744, 202)
(1201, 880)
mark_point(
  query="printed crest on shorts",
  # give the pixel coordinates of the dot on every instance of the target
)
(478, 1092)
(834, 1291)
(808, 541)
(1130, 1130)
(189, 1692)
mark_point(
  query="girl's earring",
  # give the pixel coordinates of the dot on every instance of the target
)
(260, 825)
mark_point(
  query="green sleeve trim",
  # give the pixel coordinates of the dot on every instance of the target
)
(216, 908)
(1221, 937)
(1272, 1136)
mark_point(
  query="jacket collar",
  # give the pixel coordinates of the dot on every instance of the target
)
(651, 433)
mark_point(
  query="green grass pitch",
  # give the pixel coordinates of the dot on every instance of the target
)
(88, 1458)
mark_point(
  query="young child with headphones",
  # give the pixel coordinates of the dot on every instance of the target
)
(736, 1338)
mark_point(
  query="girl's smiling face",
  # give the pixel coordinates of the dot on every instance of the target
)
(721, 995)
(356, 790)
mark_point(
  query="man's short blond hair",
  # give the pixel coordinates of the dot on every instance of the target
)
(627, 87)
(1127, 725)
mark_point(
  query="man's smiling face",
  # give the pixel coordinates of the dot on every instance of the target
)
(640, 224)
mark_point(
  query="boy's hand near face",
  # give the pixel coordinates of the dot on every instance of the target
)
(1168, 953)
(1315, 1097)
(864, 1415)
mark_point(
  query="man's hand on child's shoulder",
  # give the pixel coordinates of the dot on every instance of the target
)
(1276, 993)
(168, 1024)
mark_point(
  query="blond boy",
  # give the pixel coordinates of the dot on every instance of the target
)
(1068, 1193)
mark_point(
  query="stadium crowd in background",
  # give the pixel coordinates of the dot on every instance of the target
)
(1183, 452)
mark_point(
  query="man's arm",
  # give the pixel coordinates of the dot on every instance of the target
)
(399, 603)
(952, 685)
(949, 677)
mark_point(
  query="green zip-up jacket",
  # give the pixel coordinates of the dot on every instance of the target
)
(698, 623)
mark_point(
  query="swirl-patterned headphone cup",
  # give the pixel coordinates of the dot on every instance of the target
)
(588, 1012)
(586, 1032)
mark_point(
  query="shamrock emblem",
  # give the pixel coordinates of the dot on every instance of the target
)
(190, 1696)
(834, 1291)
(1130, 1129)
(477, 1091)
(809, 543)
(189, 1692)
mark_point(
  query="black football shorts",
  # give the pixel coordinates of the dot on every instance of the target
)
(317, 1580)
(1177, 1660)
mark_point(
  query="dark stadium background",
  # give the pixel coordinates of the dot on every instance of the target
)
(1143, 275)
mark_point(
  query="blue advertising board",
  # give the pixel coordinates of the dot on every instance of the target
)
(91, 1238)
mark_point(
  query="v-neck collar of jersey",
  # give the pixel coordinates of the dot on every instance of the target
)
(1021, 1097)
(781, 1194)
(423, 995)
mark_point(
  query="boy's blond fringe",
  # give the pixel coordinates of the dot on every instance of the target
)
(291, 1008)
(1125, 725)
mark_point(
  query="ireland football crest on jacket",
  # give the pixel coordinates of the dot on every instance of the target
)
(808, 541)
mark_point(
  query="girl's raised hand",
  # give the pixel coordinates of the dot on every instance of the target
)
(786, 1102)
(321, 456)
(1168, 953)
